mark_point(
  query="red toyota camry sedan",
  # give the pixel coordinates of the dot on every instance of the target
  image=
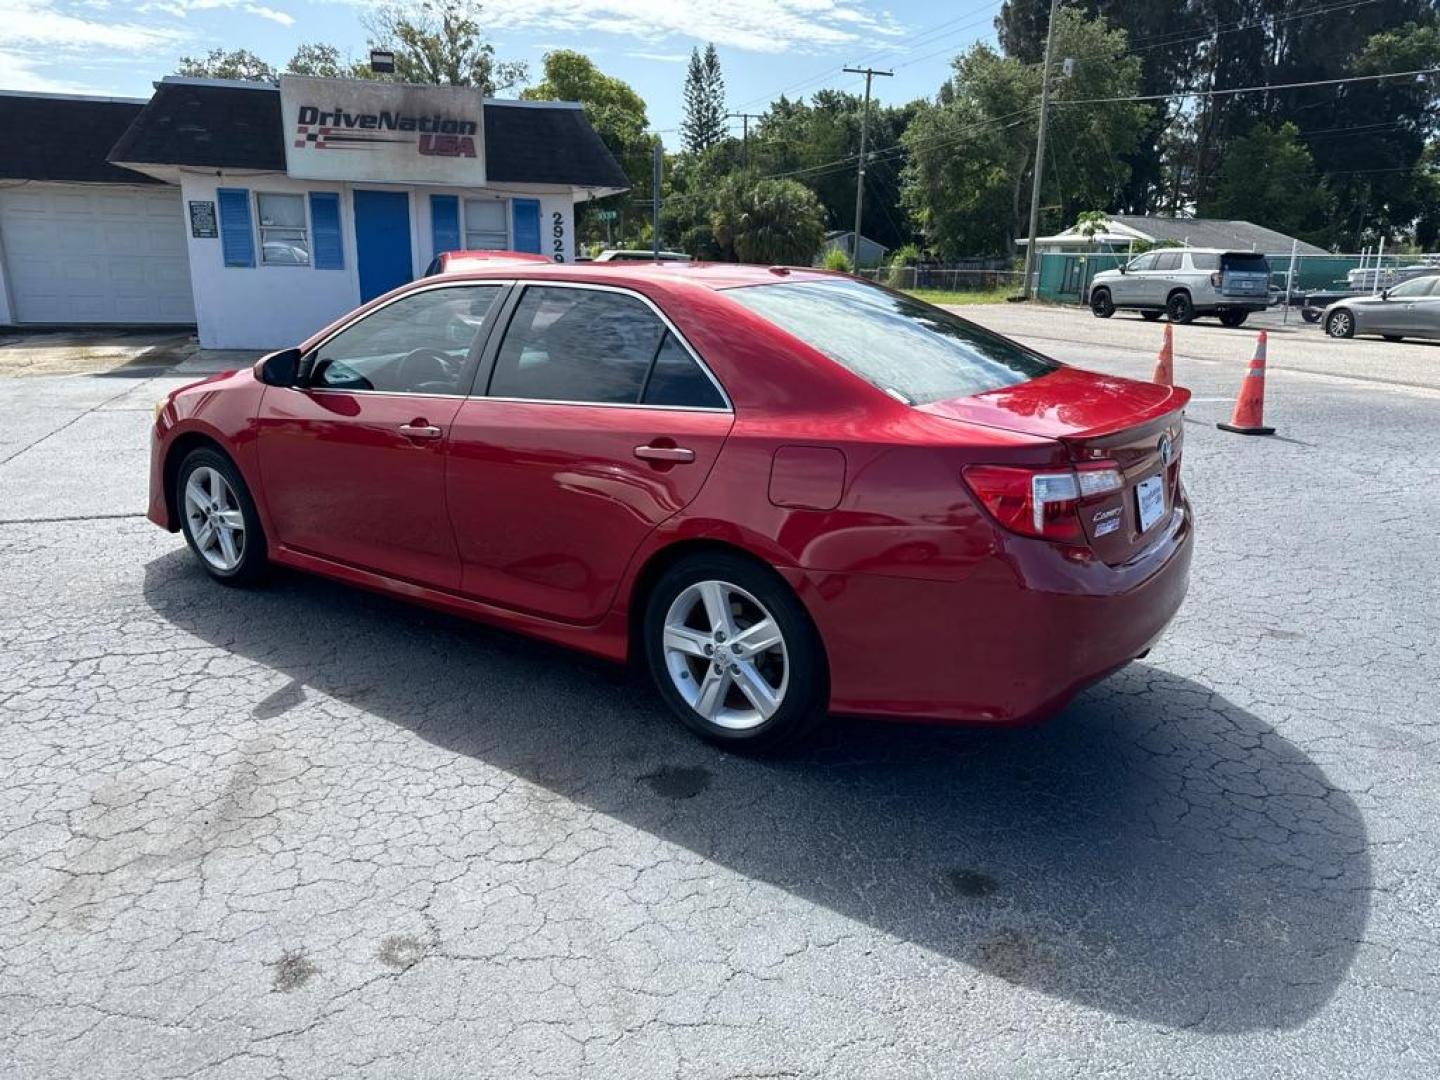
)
(786, 492)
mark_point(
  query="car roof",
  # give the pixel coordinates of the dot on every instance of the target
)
(625, 272)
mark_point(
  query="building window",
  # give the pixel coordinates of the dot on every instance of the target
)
(284, 240)
(486, 225)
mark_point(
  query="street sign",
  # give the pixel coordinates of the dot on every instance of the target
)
(607, 215)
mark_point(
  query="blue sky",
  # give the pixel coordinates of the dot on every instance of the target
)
(119, 47)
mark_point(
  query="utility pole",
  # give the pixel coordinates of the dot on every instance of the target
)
(745, 118)
(655, 199)
(1039, 152)
(869, 74)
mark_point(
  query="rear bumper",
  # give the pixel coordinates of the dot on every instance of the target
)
(1010, 645)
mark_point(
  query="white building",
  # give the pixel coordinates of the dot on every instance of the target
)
(262, 213)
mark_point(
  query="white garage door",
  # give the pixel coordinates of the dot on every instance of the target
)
(95, 254)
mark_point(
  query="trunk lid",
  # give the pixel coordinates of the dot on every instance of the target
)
(1244, 274)
(1136, 425)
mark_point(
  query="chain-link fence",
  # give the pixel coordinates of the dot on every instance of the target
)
(942, 279)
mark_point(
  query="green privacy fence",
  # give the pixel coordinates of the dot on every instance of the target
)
(1065, 276)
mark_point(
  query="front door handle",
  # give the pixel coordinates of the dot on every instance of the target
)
(420, 431)
(673, 455)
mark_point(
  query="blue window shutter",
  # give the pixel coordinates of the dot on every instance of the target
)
(237, 238)
(325, 223)
(445, 223)
(526, 214)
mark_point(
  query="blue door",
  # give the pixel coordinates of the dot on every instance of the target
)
(526, 213)
(382, 241)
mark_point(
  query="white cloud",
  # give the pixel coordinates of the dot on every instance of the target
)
(21, 73)
(661, 58)
(768, 26)
(40, 22)
(270, 13)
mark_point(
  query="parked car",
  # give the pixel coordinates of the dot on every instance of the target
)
(452, 262)
(1314, 303)
(632, 255)
(1410, 309)
(1182, 283)
(784, 492)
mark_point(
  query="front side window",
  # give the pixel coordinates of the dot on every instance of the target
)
(596, 347)
(420, 344)
(1169, 260)
(1413, 288)
(485, 225)
(902, 345)
(1144, 262)
(284, 237)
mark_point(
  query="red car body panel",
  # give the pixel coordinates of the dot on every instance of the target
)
(539, 517)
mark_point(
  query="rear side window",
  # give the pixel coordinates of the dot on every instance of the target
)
(596, 347)
(901, 345)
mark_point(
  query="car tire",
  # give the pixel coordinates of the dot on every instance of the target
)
(1340, 324)
(1233, 318)
(1310, 315)
(1180, 308)
(218, 517)
(1150, 314)
(1101, 305)
(765, 698)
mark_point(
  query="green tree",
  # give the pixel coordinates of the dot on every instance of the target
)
(325, 62)
(819, 143)
(441, 41)
(617, 114)
(971, 155)
(1269, 178)
(227, 64)
(768, 221)
(704, 122)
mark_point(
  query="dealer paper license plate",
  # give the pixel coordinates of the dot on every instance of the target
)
(1150, 497)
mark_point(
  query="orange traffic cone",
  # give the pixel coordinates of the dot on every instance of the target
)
(1249, 418)
(1165, 364)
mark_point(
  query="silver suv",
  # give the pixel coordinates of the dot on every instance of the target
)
(1183, 283)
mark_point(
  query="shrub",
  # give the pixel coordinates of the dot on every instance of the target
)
(836, 259)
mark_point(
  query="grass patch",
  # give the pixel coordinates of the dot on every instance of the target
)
(950, 296)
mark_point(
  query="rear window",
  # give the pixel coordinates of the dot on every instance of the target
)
(901, 345)
(1245, 262)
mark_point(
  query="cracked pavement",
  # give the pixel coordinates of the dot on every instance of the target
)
(305, 831)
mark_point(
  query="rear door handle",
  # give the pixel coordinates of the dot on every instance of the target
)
(420, 431)
(675, 455)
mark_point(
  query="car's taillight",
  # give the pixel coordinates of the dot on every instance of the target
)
(1042, 502)
(1216, 278)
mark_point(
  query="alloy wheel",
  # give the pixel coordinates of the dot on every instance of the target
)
(216, 522)
(725, 655)
(1339, 325)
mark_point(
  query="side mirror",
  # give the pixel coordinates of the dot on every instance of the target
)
(1122, 269)
(281, 368)
(1384, 294)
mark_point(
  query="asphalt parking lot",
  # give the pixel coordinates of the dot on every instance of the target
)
(309, 832)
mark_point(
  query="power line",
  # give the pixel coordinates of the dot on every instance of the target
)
(1263, 87)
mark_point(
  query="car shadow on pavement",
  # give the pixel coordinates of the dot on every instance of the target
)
(1155, 852)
